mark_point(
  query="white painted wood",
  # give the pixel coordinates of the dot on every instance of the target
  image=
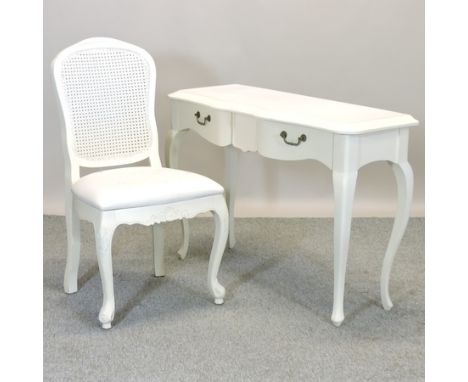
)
(212, 124)
(108, 68)
(382, 145)
(244, 132)
(70, 283)
(158, 250)
(183, 250)
(104, 230)
(344, 184)
(221, 219)
(105, 223)
(172, 161)
(230, 165)
(338, 117)
(345, 171)
(318, 144)
(403, 142)
(342, 136)
(404, 179)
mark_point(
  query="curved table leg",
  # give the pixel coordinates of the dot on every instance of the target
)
(172, 156)
(404, 178)
(344, 184)
(230, 162)
(221, 218)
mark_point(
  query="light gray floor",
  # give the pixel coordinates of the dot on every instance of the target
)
(275, 323)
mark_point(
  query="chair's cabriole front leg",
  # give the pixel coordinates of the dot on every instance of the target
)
(221, 218)
(158, 248)
(104, 232)
(172, 161)
(70, 282)
(344, 184)
(404, 179)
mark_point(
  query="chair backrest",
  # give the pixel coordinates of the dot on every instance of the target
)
(106, 89)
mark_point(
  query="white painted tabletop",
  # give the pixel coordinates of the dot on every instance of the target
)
(338, 117)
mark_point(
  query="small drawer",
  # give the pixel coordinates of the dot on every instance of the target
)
(294, 142)
(213, 125)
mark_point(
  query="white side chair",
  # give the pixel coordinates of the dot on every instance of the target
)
(106, 89)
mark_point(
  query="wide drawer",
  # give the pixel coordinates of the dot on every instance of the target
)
(294, 142)
(212, 124)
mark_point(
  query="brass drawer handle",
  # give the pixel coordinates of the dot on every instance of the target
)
(301, 139)
(205, 120)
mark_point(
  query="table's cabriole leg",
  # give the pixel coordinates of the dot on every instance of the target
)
(404, 179)
(345, 169)
(230, 160)
(172, 161)
(344, 184)
(221, 218)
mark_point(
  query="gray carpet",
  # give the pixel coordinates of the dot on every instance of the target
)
(275, 323)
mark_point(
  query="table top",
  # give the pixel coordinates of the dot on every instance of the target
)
(338, 117)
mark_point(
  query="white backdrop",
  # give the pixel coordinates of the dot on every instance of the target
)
(362, 51)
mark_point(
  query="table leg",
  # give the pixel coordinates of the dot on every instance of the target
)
(172, 161)
(230, 160)
(404, 178)
(344, 184)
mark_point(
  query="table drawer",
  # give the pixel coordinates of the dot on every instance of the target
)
(212, 124)
(294, 142)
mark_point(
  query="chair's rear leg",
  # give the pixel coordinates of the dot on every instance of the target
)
(103, 234)
(221, 217)
(70, 280)
(183, 250)
(158, 248)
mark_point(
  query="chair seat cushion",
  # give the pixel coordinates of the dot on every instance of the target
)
(132, 187)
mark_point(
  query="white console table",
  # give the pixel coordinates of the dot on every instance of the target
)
(287, 126)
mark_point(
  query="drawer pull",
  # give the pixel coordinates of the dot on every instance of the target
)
(300, 139)
(205, 120)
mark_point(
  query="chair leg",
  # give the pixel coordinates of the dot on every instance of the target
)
(221, 218)
(70, 280)
(185, 245)
(103, 234)
(172, 160)
(404, 177)
(158, 248)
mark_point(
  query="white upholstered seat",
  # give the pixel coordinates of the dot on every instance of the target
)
(132, 187)
(106, 90)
